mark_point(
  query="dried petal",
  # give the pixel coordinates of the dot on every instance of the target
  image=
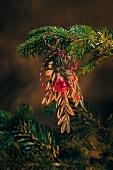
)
(53, 77)
(62, 119)
(60, 111)
(76, 103)
(43, 100)
(66, 97)
(63, 127)
(48, 72)
(68, 126)
(69, 110)
(50, 98)
(48, 85)
(59, 101)
(58, 96)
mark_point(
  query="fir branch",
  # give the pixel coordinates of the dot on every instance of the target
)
(77, 40)
(50, 109)
(83, 40)
(6, 134)
(26, 134)
(35, 44)
(91, 64)
(37, 146)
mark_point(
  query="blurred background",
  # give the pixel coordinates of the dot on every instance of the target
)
(19, 79)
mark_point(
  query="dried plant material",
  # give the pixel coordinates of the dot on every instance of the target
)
(62, 119)
(59, 101)
(50, 98)
(44, 100)
(66, 97)
(66, 125)
(48, 72)
(60, 111)
(63, 127)
(69, 110)
(50, 65)
(53, 77)
(58, 96)
(61, 90)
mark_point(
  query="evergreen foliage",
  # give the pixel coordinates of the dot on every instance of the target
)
(77, 40)
(26, 144)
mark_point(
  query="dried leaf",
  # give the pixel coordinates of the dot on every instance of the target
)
(76, 103)
(53, 96)
(69, 110)
(48, 72)
(59, 101)
(65, 96)
(58, 96)
(68, 126)
(50, 98)
(48, 85)
(62, 119)
(60, 111)
(74, 86)
(43, 100)
(63, 127)
(53, 77)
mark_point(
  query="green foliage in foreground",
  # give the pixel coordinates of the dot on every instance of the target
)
(25, 144)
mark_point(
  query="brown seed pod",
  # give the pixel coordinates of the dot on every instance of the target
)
(74, 99)
(47, 93)
(66, 97)
(60, 111)
(50, 98)
(58, 96)
(43, 100)
(76, 103)
(74, 86)
(50, 64)
(62, 119)
(62, 102)
(48, 85)
(59, 101)
(48, 73)
(69, 110)
(53, 96)
(63, 127)
(53, 77)
(68, 126)
(68, 72)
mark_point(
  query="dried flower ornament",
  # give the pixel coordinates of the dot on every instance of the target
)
(62, 84)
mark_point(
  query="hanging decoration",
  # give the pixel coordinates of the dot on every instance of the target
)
(62, 83)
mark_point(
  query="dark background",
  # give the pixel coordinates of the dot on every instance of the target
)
(19, 79)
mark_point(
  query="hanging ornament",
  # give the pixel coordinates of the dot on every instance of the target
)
(61, 86)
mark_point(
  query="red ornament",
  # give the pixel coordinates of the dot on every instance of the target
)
(60, 84)
(77, 97)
